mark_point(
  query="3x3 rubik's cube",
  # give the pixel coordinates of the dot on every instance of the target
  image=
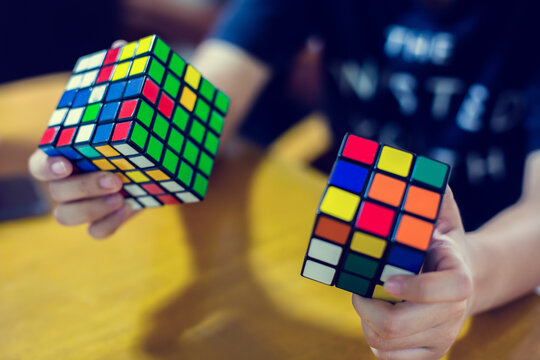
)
(142, 112)
(376, 217)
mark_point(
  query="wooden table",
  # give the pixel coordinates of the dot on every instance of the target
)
(216, 280)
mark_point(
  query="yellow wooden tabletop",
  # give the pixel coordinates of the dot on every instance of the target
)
(216, 280)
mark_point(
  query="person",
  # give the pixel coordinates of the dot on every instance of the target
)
(456, 80)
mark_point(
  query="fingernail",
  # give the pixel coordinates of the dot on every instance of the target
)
(113, 200)
(108, 181)
(393, 287)
(59, 168)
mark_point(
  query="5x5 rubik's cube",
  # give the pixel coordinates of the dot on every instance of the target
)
(141, 112)
(376, 217)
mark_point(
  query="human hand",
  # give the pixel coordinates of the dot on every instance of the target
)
(92, 198)
(437, 301)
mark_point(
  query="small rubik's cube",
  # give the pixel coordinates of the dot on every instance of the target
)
(376, 217)
(141, 112)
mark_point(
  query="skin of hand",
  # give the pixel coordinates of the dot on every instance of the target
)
(87, 198)
(437, 301)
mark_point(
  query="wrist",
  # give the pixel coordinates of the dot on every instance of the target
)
(478, 259)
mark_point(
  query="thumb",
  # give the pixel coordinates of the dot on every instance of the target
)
(451, 282)
(449, 217)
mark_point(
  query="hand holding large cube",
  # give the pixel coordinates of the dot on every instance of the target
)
(376, 217)
(143, 113)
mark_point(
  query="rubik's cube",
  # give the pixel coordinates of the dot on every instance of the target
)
(142, 112)
(376, 217)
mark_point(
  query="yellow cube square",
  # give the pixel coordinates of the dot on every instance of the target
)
(340, 203)
(121, 70)
(192, 77)
(139, 65)
(395, 161)
(128, 51)
(188, 98)
(104, 164)
(107, 151)
(122, 164)
(145, 44)
(157, 175)
(137, 176)
(368, 244)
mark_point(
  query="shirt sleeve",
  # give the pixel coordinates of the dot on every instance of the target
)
(271, 30)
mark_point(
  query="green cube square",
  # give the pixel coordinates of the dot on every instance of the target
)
(139, 136)
(202, 110)
(216, 122)
(191, 152)
(222, 102)
(91, 112)
(207, 90)
(155, 148)
(145, 113)
(172, 85)
(180, 118)
(161, 50)
(197, 131)
(185, 173)
(89, 152)
(361, 265)
(353, 283)
(430, 172)
(200, 185)
(170, 161)
(161, 127)
(205, 163)
(156, 71)
(176, 140)
(211, 143)
(177, 65)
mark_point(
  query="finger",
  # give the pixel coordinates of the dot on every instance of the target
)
(378, 342)
(46, 168)
(85, 211)
(433, 287)
(406, 318)
(85, 186)
(408, 354)
(108, 225)
(118, 43)
(374, 312)
(449, 217)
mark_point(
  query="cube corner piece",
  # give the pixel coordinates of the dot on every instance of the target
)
(142, 112)
(375, 218)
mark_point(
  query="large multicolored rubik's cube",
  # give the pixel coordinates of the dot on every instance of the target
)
(141, 112)
(376, 217)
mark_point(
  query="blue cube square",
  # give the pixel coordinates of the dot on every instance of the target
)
(134, 87)
(349, 176)
(109, 111)
(115, 91)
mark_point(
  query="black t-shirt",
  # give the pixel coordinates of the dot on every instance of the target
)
(462, 86)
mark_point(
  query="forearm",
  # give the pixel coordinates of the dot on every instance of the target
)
(236, 73)
(505, 251)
